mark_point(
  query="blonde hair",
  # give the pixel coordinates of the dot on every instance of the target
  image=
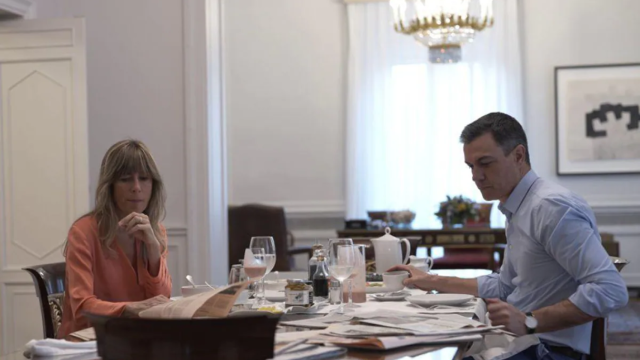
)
(125, 158)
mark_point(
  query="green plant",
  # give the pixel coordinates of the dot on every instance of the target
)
(456, 210)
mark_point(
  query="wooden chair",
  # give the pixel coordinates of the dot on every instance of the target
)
(49, 281)
(599, 328)
(250, 337)
(251, 220)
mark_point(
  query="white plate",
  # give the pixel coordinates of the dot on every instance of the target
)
(439, 299)
(275, 296)
(400, 296)
(376, 289)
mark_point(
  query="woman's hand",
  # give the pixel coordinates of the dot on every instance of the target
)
(139, 227)
(133, 309)
(417, 278)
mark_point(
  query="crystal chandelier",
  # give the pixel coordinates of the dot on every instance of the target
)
(442, 25)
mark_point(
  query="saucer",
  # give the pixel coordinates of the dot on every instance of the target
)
(439, 299)
(397, 296)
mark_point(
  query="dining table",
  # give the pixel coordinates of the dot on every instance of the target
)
(414, 352)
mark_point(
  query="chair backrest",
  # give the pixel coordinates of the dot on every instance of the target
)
(599, 326)
(598, 340)
(49, 281)
(251, 220)
(250, 337)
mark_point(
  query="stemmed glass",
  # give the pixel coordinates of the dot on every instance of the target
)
(255, 263)
(341, 262)
(269, 246)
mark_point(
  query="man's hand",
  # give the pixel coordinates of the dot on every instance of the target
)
(134, 308)
(417, 277)
(502, 313)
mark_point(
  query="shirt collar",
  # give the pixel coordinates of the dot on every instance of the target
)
(517, 195)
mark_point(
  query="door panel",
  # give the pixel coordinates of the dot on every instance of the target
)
(43, 160)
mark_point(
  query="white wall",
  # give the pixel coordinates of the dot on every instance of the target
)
(284, 68)
(135, 83)
(135, 90)
(581, 32)
(574, 32)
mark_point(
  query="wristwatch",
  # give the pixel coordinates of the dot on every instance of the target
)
(531, 323)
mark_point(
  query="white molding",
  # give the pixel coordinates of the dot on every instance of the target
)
(624, 230)
(20, 8)
(176, 230)
(205, 146)
(632, 280)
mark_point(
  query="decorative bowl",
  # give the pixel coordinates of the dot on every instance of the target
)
(379, 215)
(404, 217)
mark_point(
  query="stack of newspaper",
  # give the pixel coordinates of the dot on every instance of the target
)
(392, 329)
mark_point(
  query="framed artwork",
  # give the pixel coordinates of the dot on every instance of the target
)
(597, 119)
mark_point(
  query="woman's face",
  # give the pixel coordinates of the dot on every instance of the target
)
(132, 193)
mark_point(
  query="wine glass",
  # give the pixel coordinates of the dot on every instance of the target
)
(255, 263)
(359, 262)
(341, 262)
(269, 246)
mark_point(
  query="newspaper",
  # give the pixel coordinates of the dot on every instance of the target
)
(319, 323)
(373, 337)
(87, 334)
(216, 303)
(442, 324)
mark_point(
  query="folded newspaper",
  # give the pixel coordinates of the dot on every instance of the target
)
(441, 324)
(378, 338)
(216, 303)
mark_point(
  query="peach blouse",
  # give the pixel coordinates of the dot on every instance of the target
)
(102, 283)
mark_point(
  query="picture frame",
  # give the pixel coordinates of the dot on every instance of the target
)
(597, 119)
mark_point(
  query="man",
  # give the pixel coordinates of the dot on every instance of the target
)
(556, 277)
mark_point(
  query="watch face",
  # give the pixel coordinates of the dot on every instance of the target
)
(531, 322)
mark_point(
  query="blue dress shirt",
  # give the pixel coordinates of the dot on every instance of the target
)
(554, 253)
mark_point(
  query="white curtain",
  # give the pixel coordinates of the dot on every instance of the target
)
(405, 115)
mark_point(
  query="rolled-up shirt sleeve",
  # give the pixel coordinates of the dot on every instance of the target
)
(575, 244)
(496, 285)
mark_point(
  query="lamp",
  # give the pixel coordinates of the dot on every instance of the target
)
(442, 25)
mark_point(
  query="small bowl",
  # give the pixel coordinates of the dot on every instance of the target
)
(275, 285)
(189, 290)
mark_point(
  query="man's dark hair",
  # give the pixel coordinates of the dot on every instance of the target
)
(506, 131)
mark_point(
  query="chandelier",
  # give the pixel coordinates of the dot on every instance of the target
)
(442, 25)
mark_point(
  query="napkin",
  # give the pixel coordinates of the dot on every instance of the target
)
(54, 347)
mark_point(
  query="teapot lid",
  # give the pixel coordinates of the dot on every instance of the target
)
(387, 235)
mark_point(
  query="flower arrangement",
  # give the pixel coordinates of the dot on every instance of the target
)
(456, 210)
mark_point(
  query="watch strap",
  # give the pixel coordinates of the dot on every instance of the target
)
(530, 330)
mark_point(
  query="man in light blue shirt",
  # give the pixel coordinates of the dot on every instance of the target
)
(556, 277)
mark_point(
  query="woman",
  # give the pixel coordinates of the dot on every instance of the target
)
(116, 256)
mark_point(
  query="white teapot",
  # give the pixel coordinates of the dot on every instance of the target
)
(388, 251)
(424, 264)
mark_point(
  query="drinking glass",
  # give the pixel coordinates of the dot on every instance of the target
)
(269, 246)
(255, 264)
(359, 263)
(341, 262)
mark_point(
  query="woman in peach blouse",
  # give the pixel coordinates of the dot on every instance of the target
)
(116, 256)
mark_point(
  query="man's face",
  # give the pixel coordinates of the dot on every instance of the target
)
(495, 174)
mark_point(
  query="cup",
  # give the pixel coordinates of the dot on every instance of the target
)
(393, 280)
(189, 290)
